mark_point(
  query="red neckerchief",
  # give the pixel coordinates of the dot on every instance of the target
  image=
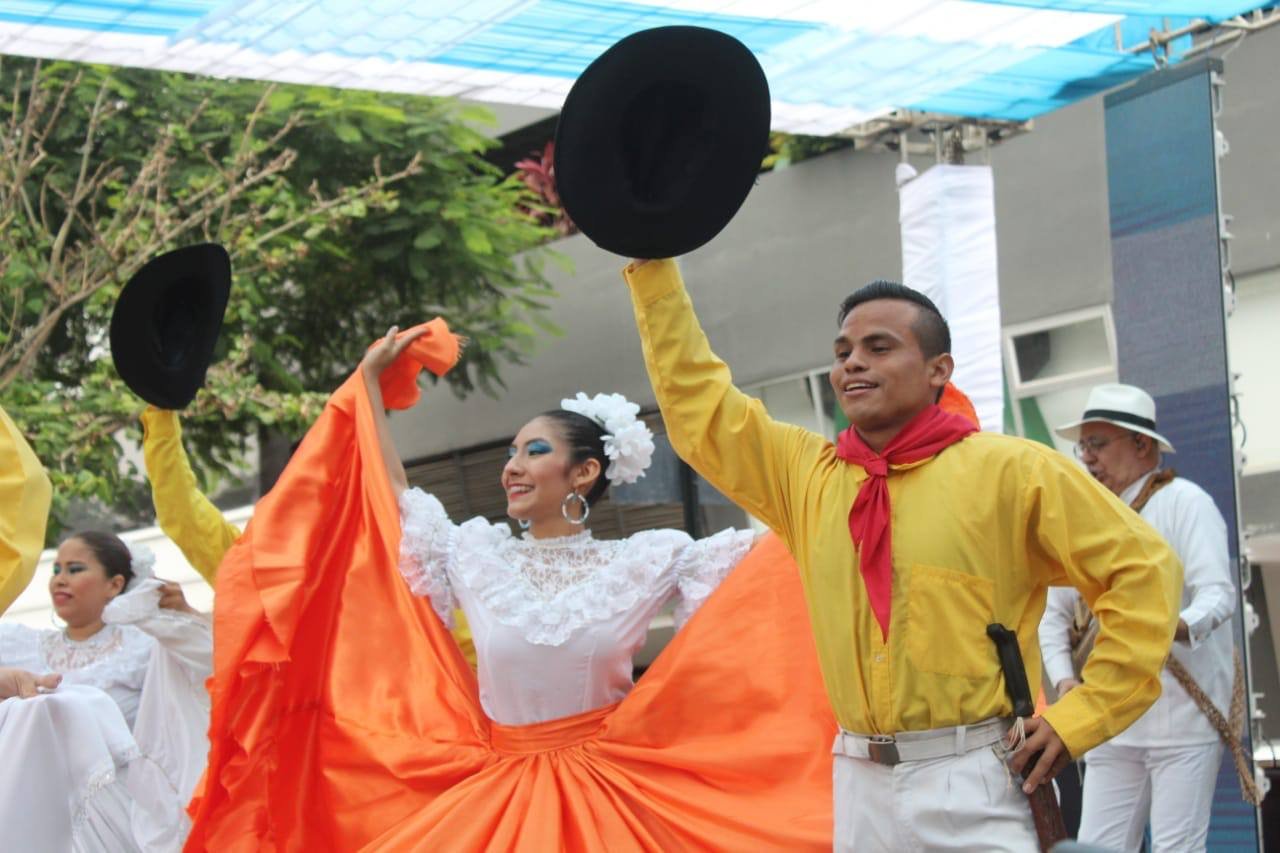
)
(927, 434)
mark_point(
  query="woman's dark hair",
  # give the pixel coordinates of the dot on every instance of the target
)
(110, 551)
(585, 438)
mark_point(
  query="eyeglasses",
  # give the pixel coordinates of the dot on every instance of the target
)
(1094, 446)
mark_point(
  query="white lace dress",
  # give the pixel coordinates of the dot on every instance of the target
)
(556, 622)
(108, 760)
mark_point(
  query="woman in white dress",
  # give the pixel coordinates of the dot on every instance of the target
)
(556, 615)
(105, 754)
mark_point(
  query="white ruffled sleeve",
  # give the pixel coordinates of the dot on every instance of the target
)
(187, 638)
(18, 645)
(703, 564)
(173, 714)
(428, 542)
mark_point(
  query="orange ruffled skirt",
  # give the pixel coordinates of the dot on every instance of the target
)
(344, 717)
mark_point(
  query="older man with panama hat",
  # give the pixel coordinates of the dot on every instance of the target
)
(1126, 406)
(1164, 767)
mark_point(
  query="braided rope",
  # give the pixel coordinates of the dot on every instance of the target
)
(1230, 731)
(1158, 481)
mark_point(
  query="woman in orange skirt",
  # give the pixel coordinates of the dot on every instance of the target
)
(344, 717)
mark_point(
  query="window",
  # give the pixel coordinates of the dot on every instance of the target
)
(804, 399)
(1050, 365)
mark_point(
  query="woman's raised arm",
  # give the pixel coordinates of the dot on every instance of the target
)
(377, 359)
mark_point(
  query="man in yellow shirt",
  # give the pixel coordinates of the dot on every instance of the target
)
(185, 515)
(25, 495)
(967, 530)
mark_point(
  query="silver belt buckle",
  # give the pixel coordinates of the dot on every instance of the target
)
(882, 749)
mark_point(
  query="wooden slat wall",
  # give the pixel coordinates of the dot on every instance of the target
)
(468, 483)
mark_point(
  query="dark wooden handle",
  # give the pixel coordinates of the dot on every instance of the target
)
(1047, 815)
(1046, 812)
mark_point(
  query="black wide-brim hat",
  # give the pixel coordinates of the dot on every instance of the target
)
(661, 139)
(166, 323)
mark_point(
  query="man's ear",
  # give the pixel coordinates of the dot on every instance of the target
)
(940, 368)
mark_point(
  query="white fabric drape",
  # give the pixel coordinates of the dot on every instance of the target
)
(948, 221)
(171, 729)
(64, 753)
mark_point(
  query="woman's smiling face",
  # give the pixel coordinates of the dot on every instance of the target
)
(80, 588)
(536, 478)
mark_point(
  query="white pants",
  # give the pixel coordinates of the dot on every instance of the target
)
(963, 802)
(1174, 785)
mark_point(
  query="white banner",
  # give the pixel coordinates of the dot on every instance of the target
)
(948, 221)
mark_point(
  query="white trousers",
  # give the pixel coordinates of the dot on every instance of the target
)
(967, 802)
(1172, 785)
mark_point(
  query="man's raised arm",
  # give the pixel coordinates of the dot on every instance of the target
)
(185, 515)
(722, 433)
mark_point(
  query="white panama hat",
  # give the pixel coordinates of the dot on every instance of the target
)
(1125, 406)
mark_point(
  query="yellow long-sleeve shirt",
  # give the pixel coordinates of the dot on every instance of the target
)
(25, 494)
(183, 512)
(979, 532)
(191, 520)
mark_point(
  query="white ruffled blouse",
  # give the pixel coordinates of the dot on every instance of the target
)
(151, 663)
(556, 622)
(114, 660)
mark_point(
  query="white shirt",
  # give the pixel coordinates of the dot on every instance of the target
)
(1187, 518)
(556, 622)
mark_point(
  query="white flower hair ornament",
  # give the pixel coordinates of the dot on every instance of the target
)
(627, 441)
(142, 560)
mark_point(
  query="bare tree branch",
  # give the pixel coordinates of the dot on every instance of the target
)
(59, 242)
(323, 205)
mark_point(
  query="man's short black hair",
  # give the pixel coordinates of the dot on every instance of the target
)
(930, 328)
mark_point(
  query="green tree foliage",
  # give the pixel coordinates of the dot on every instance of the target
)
(344, 212)
(787, 149)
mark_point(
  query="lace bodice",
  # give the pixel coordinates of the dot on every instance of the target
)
(113, 660)
(552, 566)
(62, 654)
(567, 613)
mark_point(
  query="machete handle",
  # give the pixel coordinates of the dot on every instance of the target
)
(1015, 674)
(1046, 813)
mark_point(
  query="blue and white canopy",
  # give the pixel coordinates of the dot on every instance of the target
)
(831, 63)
